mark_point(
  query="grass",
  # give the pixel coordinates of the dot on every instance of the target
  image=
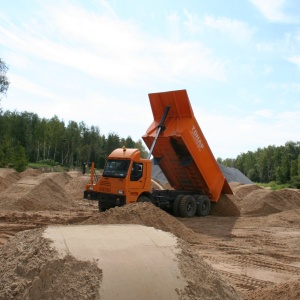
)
(273, 185)
(47, 167)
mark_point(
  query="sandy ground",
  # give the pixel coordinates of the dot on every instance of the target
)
(250, 242)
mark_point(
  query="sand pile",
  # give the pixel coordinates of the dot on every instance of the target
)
(34, 194)
(289, 218)
(9, 174)
(203, 281)
(145, 214)
(61, 178)
(155, 185)
(4, 184)
(244, 189)
(262, 202)
(234, 184)
(30, 269)
(74, 174)
(227, 206)
(76, 186)
(283, 291)
(7, 178)
(31, 172)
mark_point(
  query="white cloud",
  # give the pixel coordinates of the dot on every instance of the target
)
(287, 87)
(228, 136)
(295, 60)
(273, 10)
(237, 30)
(16, 60)
(264, 113)
(265, 47)
(105, 47)
(173, 26)
(267, 70)
(192, 23)
(29, 86)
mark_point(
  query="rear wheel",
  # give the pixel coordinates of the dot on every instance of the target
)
(187, 206)
(176, 205)
(203, 205)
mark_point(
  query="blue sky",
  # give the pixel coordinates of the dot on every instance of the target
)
(96, 62)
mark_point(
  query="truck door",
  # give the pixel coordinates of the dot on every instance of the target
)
(137, 181)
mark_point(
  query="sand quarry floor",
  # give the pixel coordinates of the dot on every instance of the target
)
(55, 245)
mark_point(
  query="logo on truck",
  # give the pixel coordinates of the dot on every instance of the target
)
(196, 138)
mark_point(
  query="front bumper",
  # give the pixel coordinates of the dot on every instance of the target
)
(107, 200)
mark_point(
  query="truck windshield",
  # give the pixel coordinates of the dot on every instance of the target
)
(116, 168)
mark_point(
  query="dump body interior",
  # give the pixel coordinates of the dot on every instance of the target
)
(181, 150)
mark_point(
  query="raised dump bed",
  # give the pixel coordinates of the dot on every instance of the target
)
(181, 149)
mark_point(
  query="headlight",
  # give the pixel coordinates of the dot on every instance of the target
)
(120, 192)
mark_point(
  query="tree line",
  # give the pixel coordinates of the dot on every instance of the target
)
(25, 137)
(273, 163)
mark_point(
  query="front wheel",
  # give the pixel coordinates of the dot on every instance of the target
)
(101, 207)
(187, 206)
(144, 199)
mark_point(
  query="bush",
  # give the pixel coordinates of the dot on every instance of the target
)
(295, 182)
(19, 159)
(47, 162)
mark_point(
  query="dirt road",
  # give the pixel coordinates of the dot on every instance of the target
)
(258, 252)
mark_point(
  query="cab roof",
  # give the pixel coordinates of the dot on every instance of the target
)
(127, 153)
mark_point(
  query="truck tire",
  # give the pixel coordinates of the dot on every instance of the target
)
(101, 207)
(187, 206)
(176, 205)
(203, 205)
(144, 199)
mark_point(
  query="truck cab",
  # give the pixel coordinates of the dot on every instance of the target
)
(126, 178)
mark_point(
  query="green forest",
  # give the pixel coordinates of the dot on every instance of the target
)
(26, 138)
(273, 163)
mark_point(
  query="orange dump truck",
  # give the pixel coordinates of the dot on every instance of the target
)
(179, 147)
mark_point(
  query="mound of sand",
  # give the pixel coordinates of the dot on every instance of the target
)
(262, 202)
(227, 206)
(4, 184)
(7, 178)
(289, 218)
(283, 291)
(203, 281)
(155, 185)
(9, 174)
(61, 178)
(35, 194)
(234, 184)
(76, 186)
(31, 172)
(145, 214)
(231, 174)
(244, 189)
(30, 269)
(74, 173)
